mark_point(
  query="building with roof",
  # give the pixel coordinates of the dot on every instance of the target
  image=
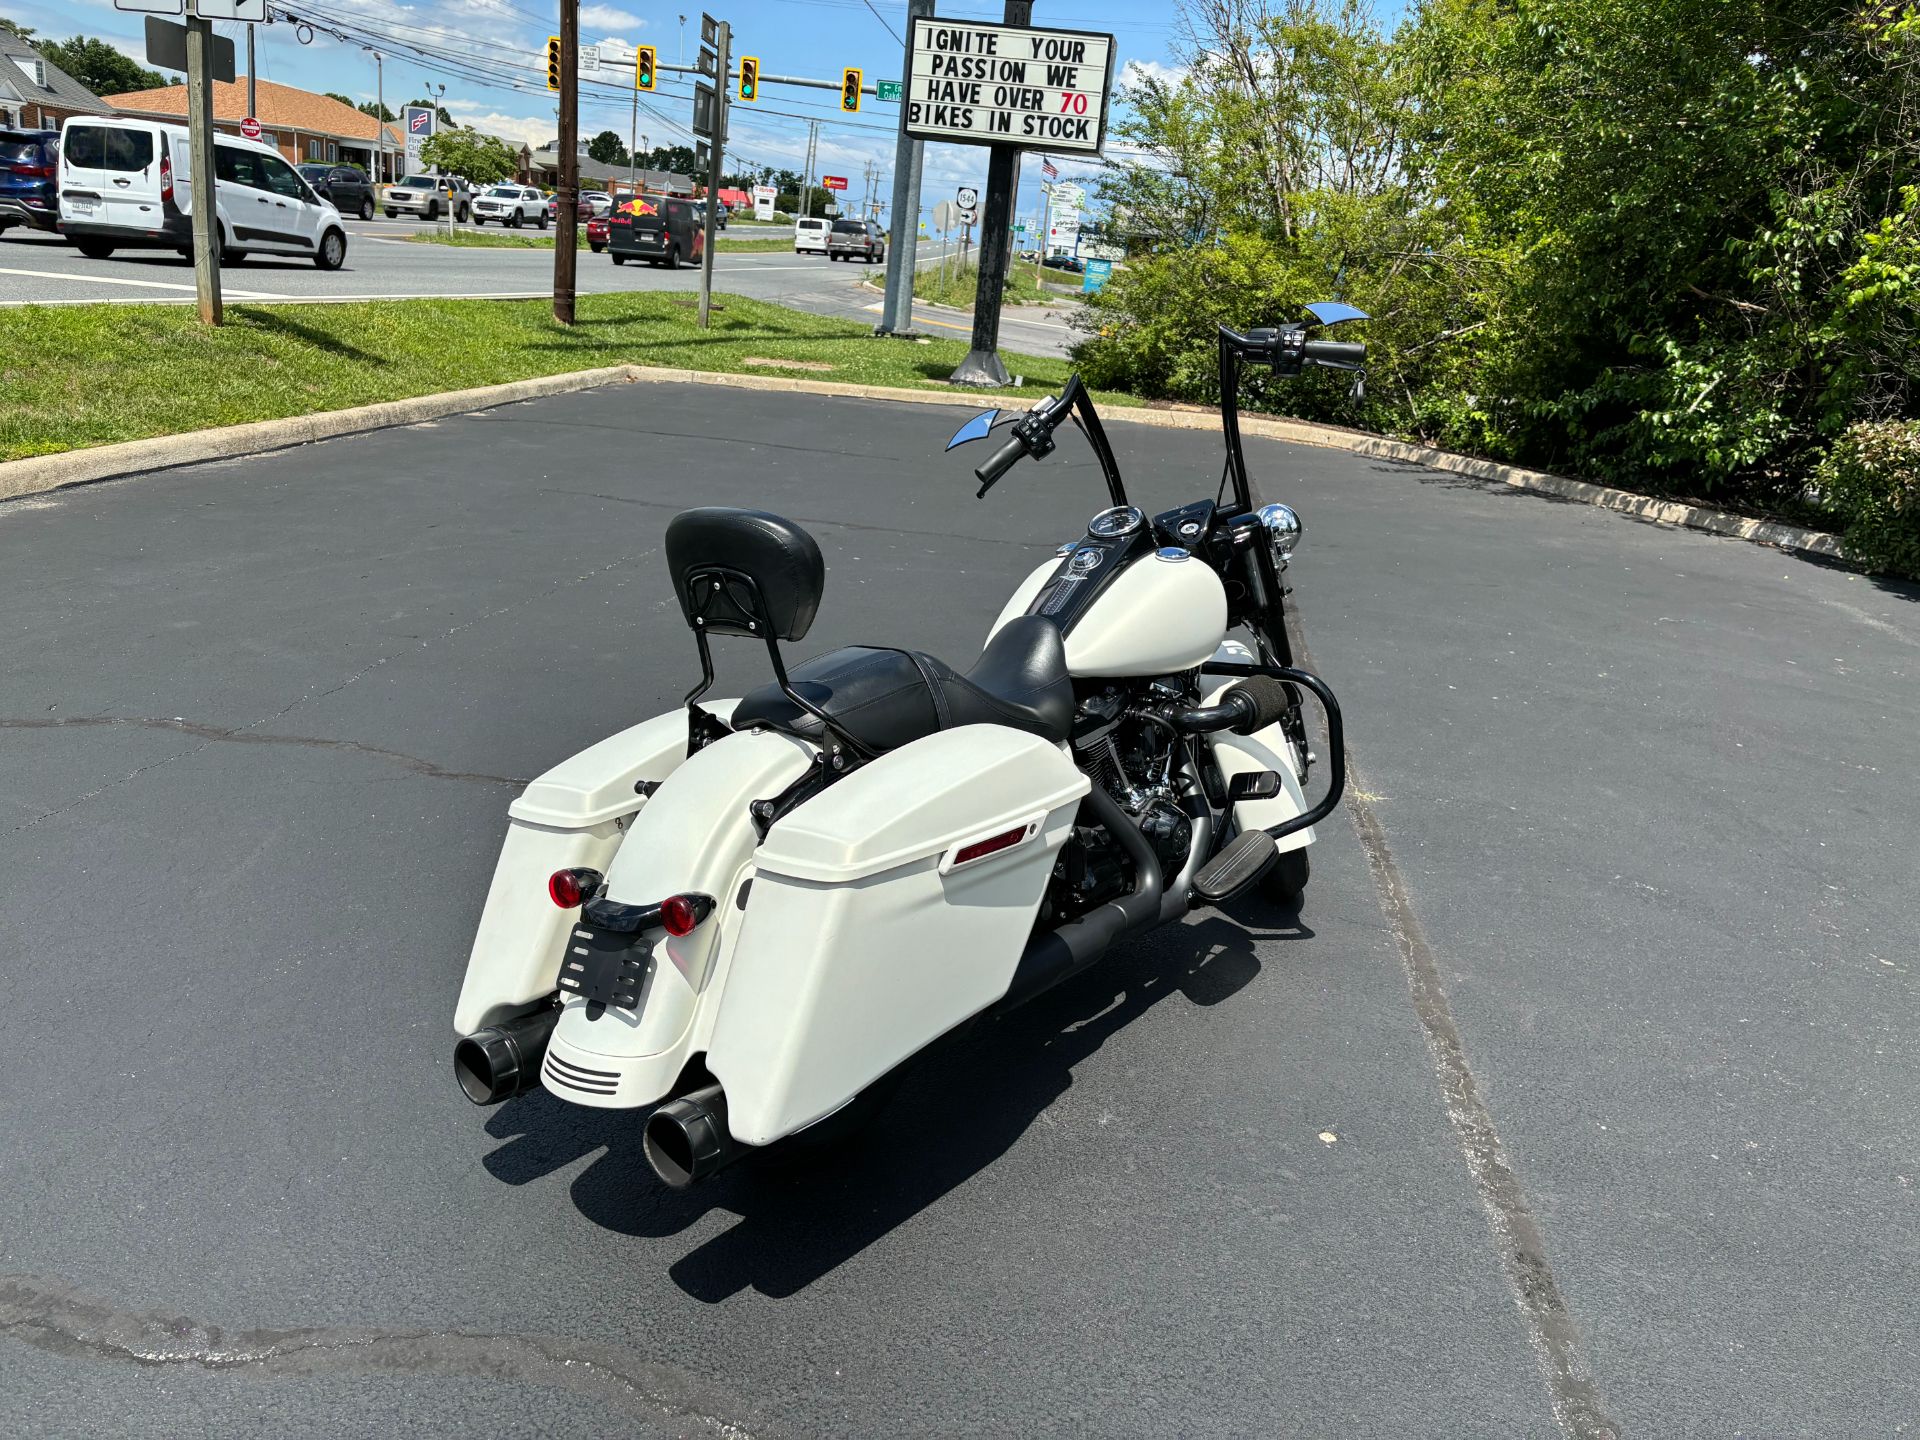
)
(301, 125)
(544, 170)
(36, 94)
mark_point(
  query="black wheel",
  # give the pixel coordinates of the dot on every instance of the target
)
(543, 219)
(433, 210)
(232, 257)
(513, 222)
(366, 208)
(333, 251)
(94, 249)
(186, 253)
(1286, 882)
(673, 258)
(463, 214)
(619, 259)
(596, 249)
(393, 214)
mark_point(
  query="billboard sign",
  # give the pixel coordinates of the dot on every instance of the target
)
(977, 83)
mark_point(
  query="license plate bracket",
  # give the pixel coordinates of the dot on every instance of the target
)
(605, 967)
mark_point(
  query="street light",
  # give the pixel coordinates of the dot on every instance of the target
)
(380, 175)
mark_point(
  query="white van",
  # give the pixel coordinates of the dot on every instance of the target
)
(810, 235)
(128, 185)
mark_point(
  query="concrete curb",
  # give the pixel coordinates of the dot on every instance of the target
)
(41, 473)
(75, 467)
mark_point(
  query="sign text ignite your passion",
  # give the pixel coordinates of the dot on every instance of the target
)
(989, 84)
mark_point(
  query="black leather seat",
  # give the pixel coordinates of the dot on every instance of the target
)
(886, 698)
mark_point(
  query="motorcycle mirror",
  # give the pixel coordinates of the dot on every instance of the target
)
(1334, 312)
(1359, 391)
(978, 428)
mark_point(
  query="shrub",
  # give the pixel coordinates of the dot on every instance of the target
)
(1870, 481)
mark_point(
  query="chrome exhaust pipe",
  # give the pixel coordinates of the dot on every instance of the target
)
(687, 1138)
(503, 1060)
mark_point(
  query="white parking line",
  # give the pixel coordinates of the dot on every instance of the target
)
(148, 284)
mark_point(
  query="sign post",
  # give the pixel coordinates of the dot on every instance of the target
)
(716, 45)
(1010, 87)
(909, 158)
(206, 209)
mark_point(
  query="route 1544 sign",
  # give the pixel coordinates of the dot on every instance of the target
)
(983, 84)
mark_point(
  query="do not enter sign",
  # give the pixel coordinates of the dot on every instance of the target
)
(250, 128)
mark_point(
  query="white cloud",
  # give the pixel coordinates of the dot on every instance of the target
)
(610, 18)
(535, 130)
(1138, 70)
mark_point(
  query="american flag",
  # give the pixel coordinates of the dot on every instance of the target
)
(1049, 169)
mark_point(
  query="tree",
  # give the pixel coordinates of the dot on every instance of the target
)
(375, 109)
(21, 30)
(440, 111)
(607, 148)
(482, 159)
(677, 158)
(336, 95)
(100, 67)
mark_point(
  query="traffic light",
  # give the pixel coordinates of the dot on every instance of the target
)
(749, 77)
(643, 67)
(850, 90)
(553, 62)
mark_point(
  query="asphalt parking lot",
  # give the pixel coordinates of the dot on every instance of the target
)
(1578, 1099)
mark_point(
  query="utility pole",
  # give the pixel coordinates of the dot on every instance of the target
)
(206, 210)
(983, 365)
(380, 113)
(253, 100)
(565, 240)
(633, 136)
(909, 155)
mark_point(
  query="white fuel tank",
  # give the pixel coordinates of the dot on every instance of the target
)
(1158, 616)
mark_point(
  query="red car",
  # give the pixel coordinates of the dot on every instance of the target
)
(597, 234)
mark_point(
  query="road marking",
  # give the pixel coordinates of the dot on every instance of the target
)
(111, 280)
(1572, 1391)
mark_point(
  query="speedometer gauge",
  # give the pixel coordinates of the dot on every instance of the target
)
(1112, 524)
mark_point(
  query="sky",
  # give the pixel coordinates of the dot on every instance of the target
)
(504, 41)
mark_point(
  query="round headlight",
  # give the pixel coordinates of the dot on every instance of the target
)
(1283, 529)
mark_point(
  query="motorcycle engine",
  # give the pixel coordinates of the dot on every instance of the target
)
(1139, 763)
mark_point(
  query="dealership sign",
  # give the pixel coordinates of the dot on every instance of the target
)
(983, 84)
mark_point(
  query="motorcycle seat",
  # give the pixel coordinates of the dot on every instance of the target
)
(888, 698)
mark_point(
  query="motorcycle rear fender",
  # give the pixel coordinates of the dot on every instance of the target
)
(575, 815)
(1267, 749)
(867, 936)
(695, 836)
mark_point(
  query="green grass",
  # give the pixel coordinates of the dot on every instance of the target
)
(960, 285)
(517, 240)
(78, 375)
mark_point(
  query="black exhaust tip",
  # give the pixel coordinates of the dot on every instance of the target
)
(502, 1061)
(687, 1138)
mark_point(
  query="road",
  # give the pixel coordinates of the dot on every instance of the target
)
(1595, 1039)
(37, 268)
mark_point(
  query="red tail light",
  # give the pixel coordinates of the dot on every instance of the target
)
(681, 913)
(572, 888)
(166, 179)
(34, 172)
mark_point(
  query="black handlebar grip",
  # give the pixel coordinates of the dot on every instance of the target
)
(1334, 352)
(1001, 461)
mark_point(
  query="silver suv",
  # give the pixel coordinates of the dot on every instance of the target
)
(857, 240)
(430, 196)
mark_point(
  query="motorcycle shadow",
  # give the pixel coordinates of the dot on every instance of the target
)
(960, 1107)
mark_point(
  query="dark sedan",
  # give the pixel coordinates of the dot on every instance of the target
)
(345, 186)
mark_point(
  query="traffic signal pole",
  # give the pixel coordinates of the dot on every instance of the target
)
(565, 257)
(716, 144)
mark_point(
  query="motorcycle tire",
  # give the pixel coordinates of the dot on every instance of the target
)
(1285, 882)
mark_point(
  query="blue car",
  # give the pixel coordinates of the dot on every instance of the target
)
(27, 195)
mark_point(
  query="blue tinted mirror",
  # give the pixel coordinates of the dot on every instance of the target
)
(978, 428)
(1334, 312)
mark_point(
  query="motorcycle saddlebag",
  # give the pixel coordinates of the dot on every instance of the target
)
(884, 912)
(575, 815)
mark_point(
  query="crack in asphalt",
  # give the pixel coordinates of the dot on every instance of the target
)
(248, 732)
(217, 733)
(59, 1319)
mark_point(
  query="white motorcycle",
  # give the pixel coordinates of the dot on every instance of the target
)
(752, 913)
